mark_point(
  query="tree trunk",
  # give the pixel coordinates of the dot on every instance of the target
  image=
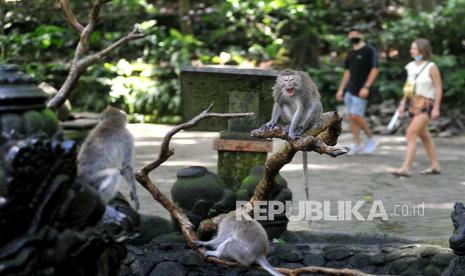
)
(184, 7)
(2, 25)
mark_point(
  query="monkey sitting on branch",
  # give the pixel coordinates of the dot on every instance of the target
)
(297, 103)
(242, 239)
(105, 158)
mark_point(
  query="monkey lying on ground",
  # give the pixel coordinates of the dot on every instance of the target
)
(105, 158)
(297, 103)
(244, 241)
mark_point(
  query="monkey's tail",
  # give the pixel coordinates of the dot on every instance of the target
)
(306, 179)
(263, 262)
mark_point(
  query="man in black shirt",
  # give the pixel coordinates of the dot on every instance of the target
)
(361, 69)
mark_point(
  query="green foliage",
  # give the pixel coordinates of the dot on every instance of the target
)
(142, 77)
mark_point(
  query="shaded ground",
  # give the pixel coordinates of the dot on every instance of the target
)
(346, 178)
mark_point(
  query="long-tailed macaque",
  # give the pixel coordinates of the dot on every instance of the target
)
(105, 158)
(242, 239)
(297, 103)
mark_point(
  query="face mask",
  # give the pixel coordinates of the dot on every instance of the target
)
(419, 58)
(355, 40)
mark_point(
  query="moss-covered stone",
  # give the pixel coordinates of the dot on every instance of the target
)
(233, 167)
(12, 124)
(76, 134)
(251, 181)
(243, 195)
(432, 270)
(50, 121)
(33, 122)
(199, 87)
(442, 259)
(195, 184)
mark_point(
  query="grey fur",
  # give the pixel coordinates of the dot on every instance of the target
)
(105, 158)
(300, 111)
(244, 241)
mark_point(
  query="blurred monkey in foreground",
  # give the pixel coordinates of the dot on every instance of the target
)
(105, 158)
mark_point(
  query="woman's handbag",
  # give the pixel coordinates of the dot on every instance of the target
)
(409, 86)
(409, 91)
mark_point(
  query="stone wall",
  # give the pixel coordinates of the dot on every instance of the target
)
(379, 255)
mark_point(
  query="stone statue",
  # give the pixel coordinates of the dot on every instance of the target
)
(50, 224)
(457, 242)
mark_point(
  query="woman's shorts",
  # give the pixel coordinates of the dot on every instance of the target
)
(419, 104)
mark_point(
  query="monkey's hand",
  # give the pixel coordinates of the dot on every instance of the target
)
(268, 125)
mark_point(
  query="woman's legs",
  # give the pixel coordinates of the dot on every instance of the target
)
(429, 147)
(418, 122)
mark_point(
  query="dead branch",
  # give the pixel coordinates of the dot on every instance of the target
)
(70, 17)
(81, 62)
(166, 152)
(187, 227)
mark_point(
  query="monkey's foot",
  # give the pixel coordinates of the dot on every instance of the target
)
(269, 125)
(336, 151)
(211, 253)
(112, 215)
(294, 135)
(299, 131)
(198, 244)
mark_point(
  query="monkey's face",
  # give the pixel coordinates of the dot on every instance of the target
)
(290, 83)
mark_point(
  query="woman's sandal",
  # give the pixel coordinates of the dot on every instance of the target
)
(431, 171)
(398, 172)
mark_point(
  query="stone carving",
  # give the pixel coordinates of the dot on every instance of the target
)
(50, 224)
(457, 242)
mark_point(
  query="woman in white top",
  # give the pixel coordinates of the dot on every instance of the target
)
(424, 105)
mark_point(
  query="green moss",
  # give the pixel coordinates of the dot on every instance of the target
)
(50, 121)
(34, 122)
(280, 181)
(233, 167)
(200, 89)
(242, 195)
(250, 183)
(188, 191)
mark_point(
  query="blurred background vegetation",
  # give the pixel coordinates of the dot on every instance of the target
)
(142, 77)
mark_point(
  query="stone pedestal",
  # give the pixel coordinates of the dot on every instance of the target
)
(237, 157)
(234, 90)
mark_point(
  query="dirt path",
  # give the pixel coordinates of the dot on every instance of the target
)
(347, 178)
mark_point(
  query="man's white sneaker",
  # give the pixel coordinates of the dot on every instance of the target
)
(355, 149)
(370, 146)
